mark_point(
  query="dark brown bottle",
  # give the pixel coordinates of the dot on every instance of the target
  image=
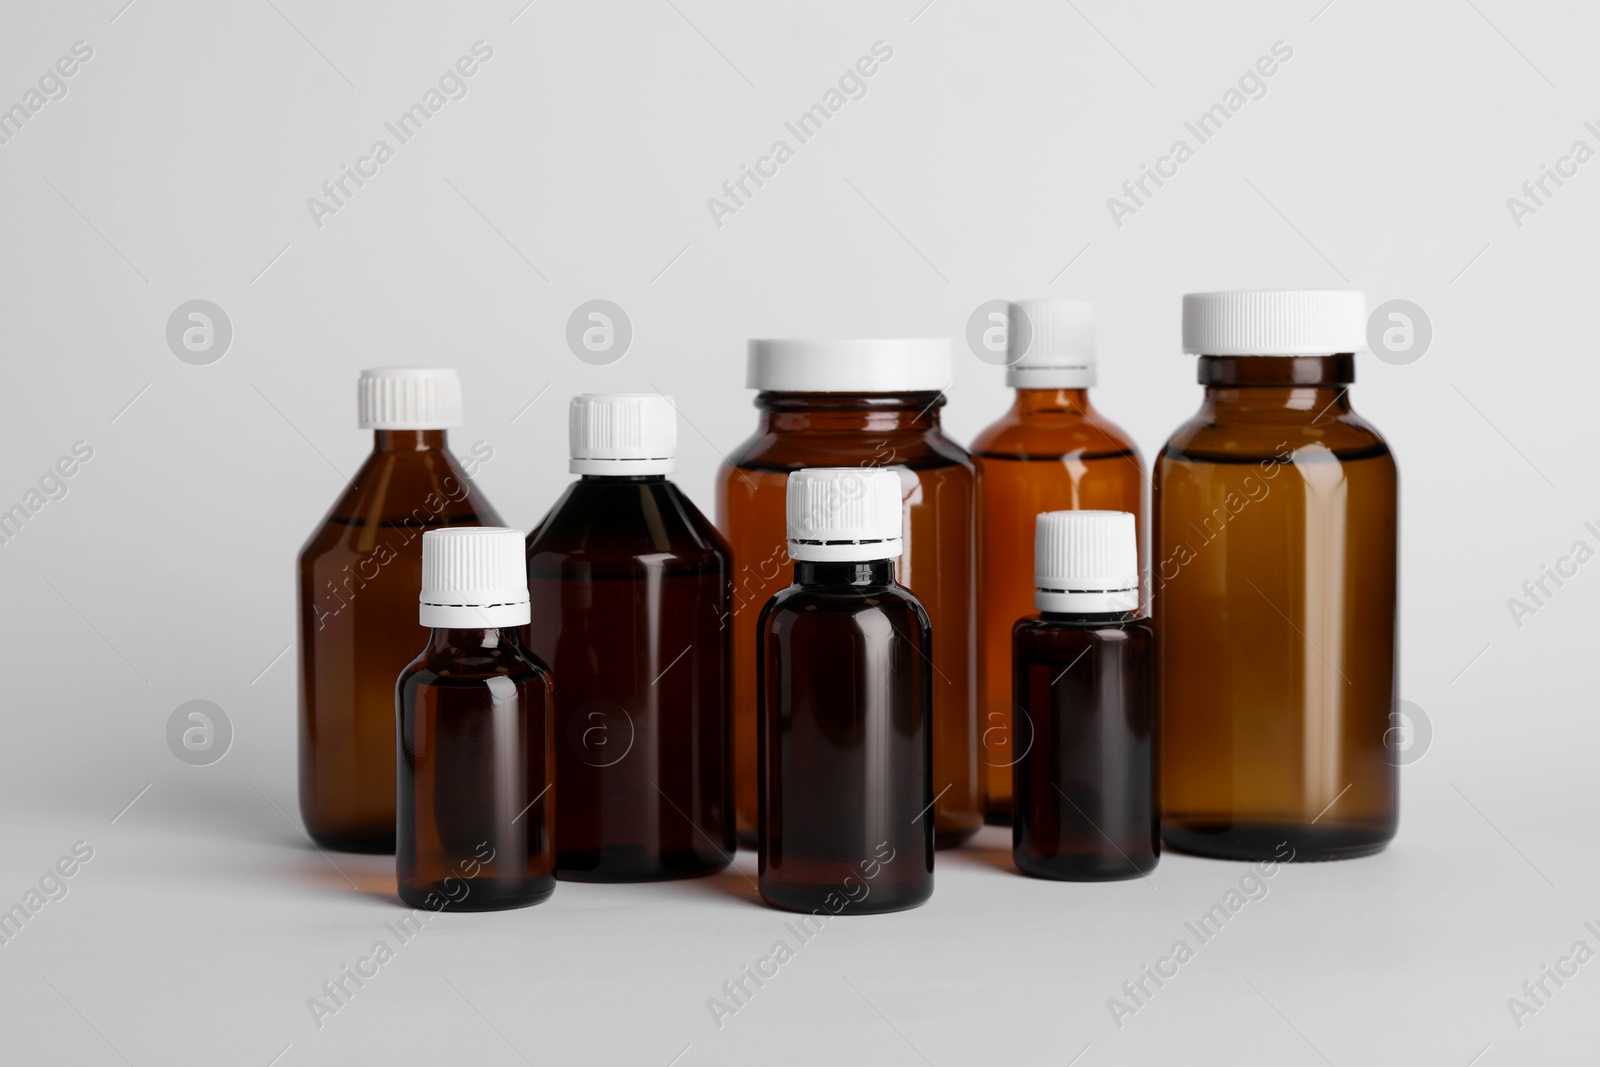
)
(475, 756)
(1085, 684)
(630, 587)
(358, 580)
(869, 403)
(1052, 451)
(845, 729)
(1274, 586)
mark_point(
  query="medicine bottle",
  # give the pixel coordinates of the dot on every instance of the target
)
(1085, 682)
(357, 588)
(475, 763)
(1274, 588)
(630, 587)
(1052, 451)
(864, 404)
(845, 729)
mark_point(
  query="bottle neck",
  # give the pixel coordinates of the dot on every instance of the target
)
(864, 412)
(1088, 618)
(1314, 386)
(622, 479)
(848, 572)
(408, 440)
(447, 637)
(1056, 402)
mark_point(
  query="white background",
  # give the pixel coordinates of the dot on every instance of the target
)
(977, 166)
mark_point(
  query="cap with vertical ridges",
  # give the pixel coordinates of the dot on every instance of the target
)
(1275, 322)
(879, 365)
(843, 514)
(409, 398)
(623, 434)
(1086, 561)
(1058, 336)
(473, 576)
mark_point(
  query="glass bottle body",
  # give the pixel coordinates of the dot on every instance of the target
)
(630, 587)
(358, 577)
(1051, 452)
(1275, 584)
(1085, 786)
(900, 432)
(846, 743)
(475, 768)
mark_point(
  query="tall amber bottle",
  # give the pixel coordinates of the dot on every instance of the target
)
(358, 579)
(861, 404)
(474, 718)
(845, 731)
(630, 587)
(1274, 588)
(1051, 452)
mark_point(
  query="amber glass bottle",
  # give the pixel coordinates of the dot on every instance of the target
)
(630, 586)
(1274, 588)
(845, 730)
(358, 579)
(1085, 681)
(475, 765)
(1051, 452)
(861, 404)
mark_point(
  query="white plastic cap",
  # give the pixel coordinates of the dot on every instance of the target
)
(905, 365)
(623, 433)
(843, 514)
(1059, 340)
(409, 398)
(1086, 561)
(1275, 322)
(473, 576)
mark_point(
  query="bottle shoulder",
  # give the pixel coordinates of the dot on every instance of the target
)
(1053, 436)
(836, 602)
(627, 523)
(403, 490)
(456, 667)
(1346, 437)
(791, 451)
(1036, 633)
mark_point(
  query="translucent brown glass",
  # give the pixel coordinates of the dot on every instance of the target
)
(900, 432)
(1051, 452)
(630, 588)
(475, 770)
(1274, 591)
(846, 742)
(359, 575)
(1085, 781)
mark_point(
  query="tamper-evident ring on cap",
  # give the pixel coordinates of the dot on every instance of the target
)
(473, 577)
(1086, 561)
(844, 514)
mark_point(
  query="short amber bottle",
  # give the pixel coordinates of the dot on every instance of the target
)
(630, 589)
(1274, 587)
(861, 404)
(475, 766)
(1085, 683)
(357, 586)
(845, 730)
(1053, 451)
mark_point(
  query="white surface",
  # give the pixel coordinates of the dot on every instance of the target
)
(578, 165)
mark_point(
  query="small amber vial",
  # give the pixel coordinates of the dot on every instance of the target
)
(1085, 683)
(475, 766)
(845, 725)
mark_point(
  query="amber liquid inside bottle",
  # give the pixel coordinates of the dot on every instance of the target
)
(1085, 783)
(475, 770)
(358, 579)
(894, 431)
(1274, 585)
(1051, 452)
(845, 736)
(630, 587)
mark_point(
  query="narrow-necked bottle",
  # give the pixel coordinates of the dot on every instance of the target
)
(1274, 582)
(862, 403)
(630, 587)
(1085, 684)
(475, 762)
(358, 576)
(1053, 451)
(845, 731)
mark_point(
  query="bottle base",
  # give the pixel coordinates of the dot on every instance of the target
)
(482, 894)
(370, 844)
(1283, 842)
(1070, 868)
(997, 818)
(812, 900)
(950, 832)
(637, 865)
